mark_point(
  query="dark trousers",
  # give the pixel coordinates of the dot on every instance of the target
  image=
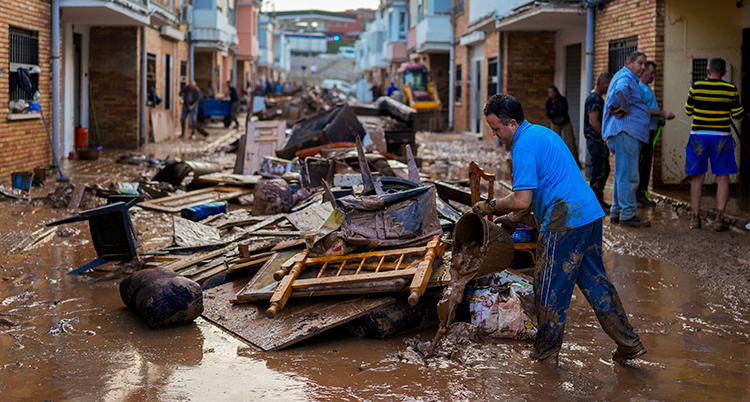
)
(644, 164)
(565, 259)
(599, 166)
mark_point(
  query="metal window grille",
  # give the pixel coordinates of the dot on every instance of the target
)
(698, 71)
(183, 73)
(458, 83)
(619, 51)
(23, 52)
(493, 80)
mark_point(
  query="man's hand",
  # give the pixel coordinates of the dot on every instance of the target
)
(620, 113)
(668, 115)
(483, 208)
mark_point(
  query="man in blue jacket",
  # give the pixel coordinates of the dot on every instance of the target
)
(569, 251)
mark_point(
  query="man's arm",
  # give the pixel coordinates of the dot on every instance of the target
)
(515, 201)
(594, 121)
(662, 113)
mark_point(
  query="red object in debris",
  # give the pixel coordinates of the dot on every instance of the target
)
(82, 137)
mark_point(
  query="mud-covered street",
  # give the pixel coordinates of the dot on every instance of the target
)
(71, 338)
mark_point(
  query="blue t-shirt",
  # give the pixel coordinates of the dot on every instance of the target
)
(561, 199)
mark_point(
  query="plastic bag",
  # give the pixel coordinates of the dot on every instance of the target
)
(499, 313)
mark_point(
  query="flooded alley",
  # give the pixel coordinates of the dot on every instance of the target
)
(71, 338)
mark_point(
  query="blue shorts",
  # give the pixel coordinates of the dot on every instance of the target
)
(720, 148)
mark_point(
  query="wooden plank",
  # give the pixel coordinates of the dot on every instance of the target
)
(300, 319)
(162, 125)
(343, 280)
(176, 203)
(452, 192)
(75, 198)
(312, 217)
(201, 277)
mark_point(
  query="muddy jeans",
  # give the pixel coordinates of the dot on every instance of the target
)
(564, 259)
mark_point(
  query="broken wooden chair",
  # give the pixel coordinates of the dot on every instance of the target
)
(385, 272)
(476, 174)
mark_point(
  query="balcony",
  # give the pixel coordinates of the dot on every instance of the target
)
(212, 30)
(395, 52)
(265, 57)
(106, 13)
(434, 34)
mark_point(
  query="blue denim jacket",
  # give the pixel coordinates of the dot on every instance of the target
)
(625, 91)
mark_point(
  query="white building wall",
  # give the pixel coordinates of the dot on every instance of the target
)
(564, 38)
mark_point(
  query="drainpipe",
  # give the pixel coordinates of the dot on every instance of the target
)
(451, 78)
(191, 55)
(234, 68)
(142, 136)
(590, 47)
(55, 85)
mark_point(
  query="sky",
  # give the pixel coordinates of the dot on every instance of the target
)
(326, 5)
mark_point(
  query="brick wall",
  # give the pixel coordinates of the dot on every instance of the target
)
(113, 76)
(529, 68)
(23, 143)
(622, 19)
(461, 109)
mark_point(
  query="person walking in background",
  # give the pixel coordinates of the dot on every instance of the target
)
(647, 150)
(712, 103)
(625, 128)
(191, 96)
(556, 108)
(391, 89)
(234, 100)
(597, 147)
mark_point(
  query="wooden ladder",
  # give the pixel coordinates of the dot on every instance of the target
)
(385, 267)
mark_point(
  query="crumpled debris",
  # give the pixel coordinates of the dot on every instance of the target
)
(63, 327)
(12, 299)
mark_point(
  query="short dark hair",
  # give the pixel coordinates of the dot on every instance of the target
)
(554, 87)
(505, 107)
(650, 64)
(717, 65)
(603, 77)
(635, 55)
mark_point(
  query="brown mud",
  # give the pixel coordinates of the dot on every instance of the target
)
(70, 338)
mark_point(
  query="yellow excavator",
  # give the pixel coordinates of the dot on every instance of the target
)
(418, 91)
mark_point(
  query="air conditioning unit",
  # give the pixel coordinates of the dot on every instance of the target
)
(186, 14)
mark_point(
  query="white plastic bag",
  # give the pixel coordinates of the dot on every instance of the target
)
(498, 313)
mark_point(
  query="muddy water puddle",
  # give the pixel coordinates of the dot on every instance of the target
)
(70, 338)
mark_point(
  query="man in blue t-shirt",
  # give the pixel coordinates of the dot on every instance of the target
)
(546, 177)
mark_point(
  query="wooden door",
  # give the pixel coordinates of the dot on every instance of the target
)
(263, 138)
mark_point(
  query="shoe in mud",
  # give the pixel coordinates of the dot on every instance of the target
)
(695, 222)
(642, 201)
(623, 353)
(720, 225)
(635, 222)
(614, 219)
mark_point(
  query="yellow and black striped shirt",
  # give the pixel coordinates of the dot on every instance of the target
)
(711, 102)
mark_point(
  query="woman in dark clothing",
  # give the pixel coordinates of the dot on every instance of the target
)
(556, 108)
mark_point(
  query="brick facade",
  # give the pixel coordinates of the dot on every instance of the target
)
(529, 68)
(621, 19)
(23, 143)
(461, 108)
(113, 76)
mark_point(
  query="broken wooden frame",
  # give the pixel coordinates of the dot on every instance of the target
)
(388, 269)
(176, 203)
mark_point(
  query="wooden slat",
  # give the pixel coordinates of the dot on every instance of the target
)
(346, 279)
(176, 203)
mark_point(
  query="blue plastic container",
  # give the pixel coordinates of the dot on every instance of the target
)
(522, 234)
(22, 180)
(213, 107)
(203, 211)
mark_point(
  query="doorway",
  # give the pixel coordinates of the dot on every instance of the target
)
(167, 82)
(745, 126)
(77, 74)
(573, 89)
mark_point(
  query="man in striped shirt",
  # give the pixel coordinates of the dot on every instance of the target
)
(712, 103)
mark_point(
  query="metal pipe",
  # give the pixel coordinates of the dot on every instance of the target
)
(144, 97)
(55, 85)
(590, 13)
(191, 57)
(451, 78)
